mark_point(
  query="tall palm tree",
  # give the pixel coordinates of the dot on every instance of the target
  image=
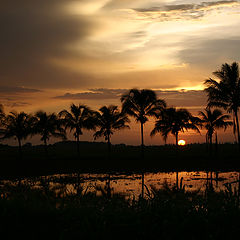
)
(142, 104)
(78, 118)
(109, 120)
(226, 92)
(48, 125)
(2, 118)
(174, 121)
(18, 126)
(213, 120)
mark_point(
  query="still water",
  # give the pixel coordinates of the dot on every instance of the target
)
(131, 185)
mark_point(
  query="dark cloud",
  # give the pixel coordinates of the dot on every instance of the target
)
(210, 53)
(181, 98)
(16, 104)
(95, 94)
(184, 7)
(32, 32)
(16, 90)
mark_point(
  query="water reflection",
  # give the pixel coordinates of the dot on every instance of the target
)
(132, 185)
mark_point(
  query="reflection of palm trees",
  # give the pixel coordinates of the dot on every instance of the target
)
(78, 118)
(226, 92)
(17, 125)
(174, 121)
(142, 104)
(48, 125)
(108, 120)
(212, 120)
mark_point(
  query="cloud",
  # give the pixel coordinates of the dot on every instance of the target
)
(17, 90)
(16, 104)
(182, 11)
(209, 53)
(179, 98)
(32, 32)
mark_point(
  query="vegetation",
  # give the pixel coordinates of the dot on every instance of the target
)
(109, 120)
(142, 104)
(226, 92)
(18, 126)
(78, 118)
(174, 121)
(48, 125)
(168, 213)
(213, 120)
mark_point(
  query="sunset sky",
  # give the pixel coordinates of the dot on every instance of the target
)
(55, 52)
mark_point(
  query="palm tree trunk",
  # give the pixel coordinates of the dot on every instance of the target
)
(20, 148)
(216, 144)
(237, 123)
(45, 148)
(142, 184)
(176, 135)
(78, 148)
(20, 158)
(142, 142)
(109, 144)
(210, 144)
(207, 142)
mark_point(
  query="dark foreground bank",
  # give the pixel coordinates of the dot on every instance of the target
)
(62, 157)
(164, 214)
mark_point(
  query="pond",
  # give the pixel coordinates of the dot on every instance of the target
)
(131, 185)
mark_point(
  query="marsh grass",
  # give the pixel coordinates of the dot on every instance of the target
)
(167, 213)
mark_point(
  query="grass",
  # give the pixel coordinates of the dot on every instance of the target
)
(169, 213)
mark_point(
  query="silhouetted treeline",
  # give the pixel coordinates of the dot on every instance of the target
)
(138, 104)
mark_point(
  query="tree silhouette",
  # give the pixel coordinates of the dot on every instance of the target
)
(2, 118)
(213, 120)
(18, 126)
(174, 121)
(48, 125)
(226, 92)
(109, 120)
(78, 118)
(142, 104)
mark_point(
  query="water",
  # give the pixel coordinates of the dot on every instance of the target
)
(131, 185)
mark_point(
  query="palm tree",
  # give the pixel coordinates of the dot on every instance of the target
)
(213, 120)
(174, 121)
(18, 126)
(142, 104)
(226, 92)
(2, 117)
(109, 120)
(48, 125)
(78, 118)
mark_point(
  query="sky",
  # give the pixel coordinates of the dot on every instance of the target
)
(57, 52)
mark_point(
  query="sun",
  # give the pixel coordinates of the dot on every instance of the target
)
(181, 142)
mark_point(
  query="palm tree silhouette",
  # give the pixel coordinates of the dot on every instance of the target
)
(18, 126)
(2, 118)
(78, 118)
(213, 120)
(48, 125)
(109, 119)
(226, 92)
(174, 121)
(142, 104)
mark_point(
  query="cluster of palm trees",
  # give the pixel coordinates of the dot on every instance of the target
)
(138, 104)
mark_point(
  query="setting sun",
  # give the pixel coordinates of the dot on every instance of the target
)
(181, 142)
